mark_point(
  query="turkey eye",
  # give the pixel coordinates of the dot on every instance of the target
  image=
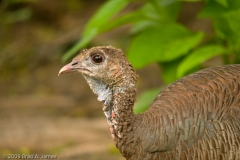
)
(97, 58)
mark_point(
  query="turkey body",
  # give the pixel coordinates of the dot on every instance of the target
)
(196, 117)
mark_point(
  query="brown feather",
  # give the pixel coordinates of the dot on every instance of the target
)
(196, 117)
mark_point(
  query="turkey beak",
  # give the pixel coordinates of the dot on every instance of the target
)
(71, 67)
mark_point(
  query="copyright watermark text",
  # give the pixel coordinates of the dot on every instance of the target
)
(28, 156)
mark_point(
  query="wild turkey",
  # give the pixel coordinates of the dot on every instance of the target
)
(196, 117)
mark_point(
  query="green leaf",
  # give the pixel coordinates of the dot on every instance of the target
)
(224, 3)
(132, 17)
(169, 70)
(173, 10)
(191, 0)
(227, 27)
(222, 28)
(213, 9)
(234, 21)
(165, 3)
(166, 9)
(150, 12)
(199, 56)
(145, 99)
(152, 17)
(101, 17)
(142, 25)
(161, 44)
(96, 23)
(80, 44)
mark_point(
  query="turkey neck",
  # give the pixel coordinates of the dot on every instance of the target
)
(121, 114)
(118, 95)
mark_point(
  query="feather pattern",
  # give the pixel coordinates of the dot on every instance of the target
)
(196, 117)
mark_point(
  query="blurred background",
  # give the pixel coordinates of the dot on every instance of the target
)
(41, 113)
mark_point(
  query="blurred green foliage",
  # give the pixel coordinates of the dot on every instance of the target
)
(159, 37)
(16, 16)
(13, 16)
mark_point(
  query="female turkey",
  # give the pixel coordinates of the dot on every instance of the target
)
(196, 117)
